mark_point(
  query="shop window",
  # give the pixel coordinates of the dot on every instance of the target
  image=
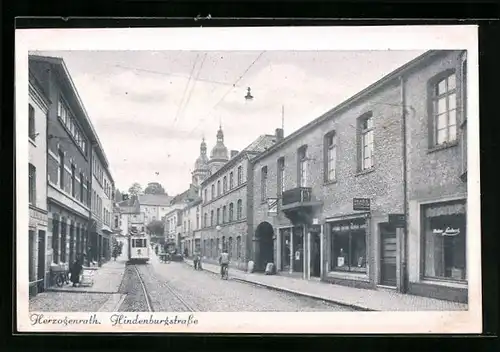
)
(285, 249)
(298, 249)
(348, 246)
(444, 241)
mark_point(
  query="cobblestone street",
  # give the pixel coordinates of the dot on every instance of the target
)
(206, 292)
(67, 302)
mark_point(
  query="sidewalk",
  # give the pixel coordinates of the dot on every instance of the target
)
(360, 299)
(103, 296)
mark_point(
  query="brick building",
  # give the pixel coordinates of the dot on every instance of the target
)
(302, 207)
(39, 264)
(71, 142)
(437, 177)
(224, 207)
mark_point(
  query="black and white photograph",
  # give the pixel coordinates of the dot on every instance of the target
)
(253, 184)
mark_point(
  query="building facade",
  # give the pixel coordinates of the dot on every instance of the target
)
(39, 264)
(190, 237)
(173, 226)
(69, 145)
(224, 207)
(352, 198)
(154, 206)
(102, 206)
(437, 174)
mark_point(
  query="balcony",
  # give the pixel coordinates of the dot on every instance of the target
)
(296, 195)
(298, 205)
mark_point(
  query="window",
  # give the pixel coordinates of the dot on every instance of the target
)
(213, 192)
(444, 241)
(206, 195)
(31, 122)
(330, 156)
(231, 211)
(238, 247)
(281, 176)
(82, 191)
(263, 184)
(239, 211)
(88, 193)
(61, 169)
(224, 184)
(231, 180)
(302, 166)
(218, 188)
(240, 175)
(224, 214)
(211, 218)
(348, 246)
(464, 114)
(205, 220)
(218, 216)
(32, 184)
(444, 112)
(230, 246)
(197, 221)
(73, 181)
(366, 141)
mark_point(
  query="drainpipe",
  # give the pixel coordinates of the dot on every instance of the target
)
(404, 268)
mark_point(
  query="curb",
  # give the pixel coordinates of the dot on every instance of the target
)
(302, 294)
(297, 293)
(80, 291)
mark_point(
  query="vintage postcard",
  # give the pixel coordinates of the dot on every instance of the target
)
(248, 180)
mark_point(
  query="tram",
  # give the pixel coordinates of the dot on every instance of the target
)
(138, 246)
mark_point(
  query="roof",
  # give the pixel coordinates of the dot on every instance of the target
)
(65, 75)
(154, 199)
(188, 195)
(389, 78)
(259, 145)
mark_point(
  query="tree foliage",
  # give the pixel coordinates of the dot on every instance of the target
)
(156, 227)
(154, 188)
(135, 189)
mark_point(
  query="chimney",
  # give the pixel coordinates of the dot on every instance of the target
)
(234, 153)
(279, 135)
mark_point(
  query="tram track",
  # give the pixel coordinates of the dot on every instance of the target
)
(165, 296)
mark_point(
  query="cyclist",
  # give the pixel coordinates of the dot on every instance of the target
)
(224, 262)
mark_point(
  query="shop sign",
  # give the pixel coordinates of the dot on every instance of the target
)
(340, 228)
(446, 232)
(361, 204)
(315, 229)
(397, 220)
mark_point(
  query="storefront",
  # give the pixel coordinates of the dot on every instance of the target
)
(347, 251)
(290, 249)
(37, 269)
(443, 269)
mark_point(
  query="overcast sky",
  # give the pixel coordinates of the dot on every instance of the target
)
(150, 116)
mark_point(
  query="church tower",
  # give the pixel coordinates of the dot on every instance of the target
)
(219, 155)
(201, 169)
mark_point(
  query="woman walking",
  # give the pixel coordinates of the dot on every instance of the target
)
(76, 270)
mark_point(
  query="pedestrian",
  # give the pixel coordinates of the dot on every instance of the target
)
(223, 261)
(197, 260)
(76, 270)
(186, 252)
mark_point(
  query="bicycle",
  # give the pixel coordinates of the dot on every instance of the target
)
(225, 272)
(60, 278)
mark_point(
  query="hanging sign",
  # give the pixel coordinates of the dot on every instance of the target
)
(361, 204)
(446, 232)
(272, 206)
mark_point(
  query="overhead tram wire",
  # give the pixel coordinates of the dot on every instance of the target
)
(186, 88)
(230, 89)
(137, 69)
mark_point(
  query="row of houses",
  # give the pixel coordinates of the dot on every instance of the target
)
(70, 184)
(371, 194)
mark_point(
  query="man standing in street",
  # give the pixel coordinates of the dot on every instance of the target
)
(223, 261)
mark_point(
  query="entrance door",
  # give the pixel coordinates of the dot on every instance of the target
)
(388, 257)
(315, 260)
(41, 260)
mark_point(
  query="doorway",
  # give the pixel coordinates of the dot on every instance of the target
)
(41, 261)
(265, 234)
(315, 260)
(285, 250)
(388, 252)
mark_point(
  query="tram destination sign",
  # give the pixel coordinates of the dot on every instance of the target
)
(361, 204)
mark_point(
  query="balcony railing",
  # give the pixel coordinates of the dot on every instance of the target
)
(297, 195)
